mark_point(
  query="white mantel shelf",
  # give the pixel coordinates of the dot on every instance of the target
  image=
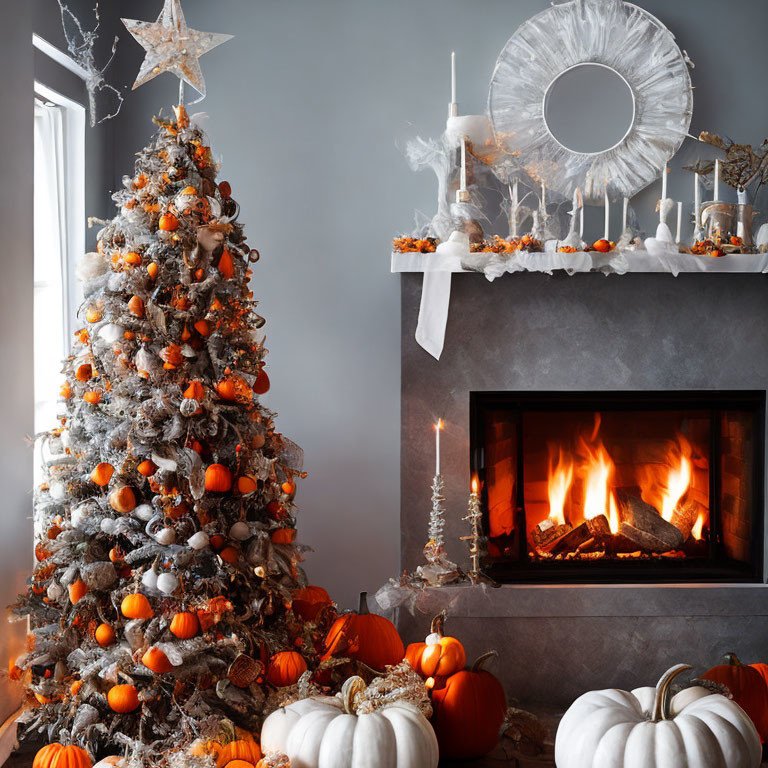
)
(617, 262)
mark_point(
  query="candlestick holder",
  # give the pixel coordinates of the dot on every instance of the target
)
(439, 570)
(476, 542)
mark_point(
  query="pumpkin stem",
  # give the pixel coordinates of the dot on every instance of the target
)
(438, 623)
(349, 690)
(478, 665)
(363, 608)
(732, 659)
(661, 700)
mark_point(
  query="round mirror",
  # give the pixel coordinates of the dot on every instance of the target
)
(604, 123)
(589, 92)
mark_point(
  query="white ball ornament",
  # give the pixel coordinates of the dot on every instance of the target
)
(55, 591)
(112, 762)
(58, 491)
(111, 333)
(648, 728)
(165, 536)
(144, 512)
(199, 540)
(79, 516)
(149, 579)
(167, 583)
(240, 531)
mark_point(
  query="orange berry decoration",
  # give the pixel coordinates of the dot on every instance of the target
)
(168, 222)
(123, 698)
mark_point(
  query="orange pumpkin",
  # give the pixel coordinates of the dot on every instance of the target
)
(147, 468)
(603, 245)
(225, 266)
(157, 661)
(122, 499)
(366, 637)
(247, 484)
(105, 635)
(136, 606)
(218, 478)
(84, 372)
(241, 750)
(152, 270)
(123, 698)
(168, 222)
(438, 655)
(102, 473)
(285, 668)
(261, 385)
(185, 625)
(136, 306)
(469, 708)
(309, 601)
(58, 756)
(77, 591)
(132, 258)
(748, 689)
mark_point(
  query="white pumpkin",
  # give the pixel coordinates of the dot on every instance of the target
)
(325, 732)
(643, 729)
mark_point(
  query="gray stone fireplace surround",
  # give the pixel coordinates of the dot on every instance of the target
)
(530, 332)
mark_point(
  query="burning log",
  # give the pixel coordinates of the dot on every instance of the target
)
(686, 515)
(546, 533)
(593, 531)
(642, 524)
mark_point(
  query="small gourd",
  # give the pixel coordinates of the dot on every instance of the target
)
(123, 698)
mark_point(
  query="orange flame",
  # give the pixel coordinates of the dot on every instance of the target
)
(664, 487)
(698, 527)
(474, 483)
(560, 479)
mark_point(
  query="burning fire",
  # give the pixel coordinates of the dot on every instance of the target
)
(698, 527)
(598, 470)
(560, 479)
(665, 486)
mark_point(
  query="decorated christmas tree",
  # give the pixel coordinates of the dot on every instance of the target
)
(160, 608)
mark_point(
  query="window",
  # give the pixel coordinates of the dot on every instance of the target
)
(59, 183)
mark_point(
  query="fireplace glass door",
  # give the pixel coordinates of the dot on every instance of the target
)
(621, 486)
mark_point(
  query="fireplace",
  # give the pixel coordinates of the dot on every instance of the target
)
(620, 486)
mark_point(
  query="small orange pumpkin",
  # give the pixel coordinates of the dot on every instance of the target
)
(246, 750)
(136, 606)
(261, 385)
(366, 637)
(105, 635)
(168, 222)
(122, 499)
(218, 478)
(58, 756)
(225, 266)
(147, 468)
(157, 661)
(123, 698)
(748, 689)
(310, 600)
(194, 391)
(77, 591)
(438, 655)
(469, 708)
(185, 625)
(102, 473)
(285, 668)
(136, 306)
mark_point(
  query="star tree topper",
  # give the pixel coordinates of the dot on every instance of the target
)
(172, 46)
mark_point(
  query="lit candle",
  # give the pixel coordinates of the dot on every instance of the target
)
(717, 179)
(453, 77)
(696, 198)
(663, 194)
(607, 212)
(624, 215)
(513, 212)
(463, 163)
(438, 427)
(679, 221)
(474, 485)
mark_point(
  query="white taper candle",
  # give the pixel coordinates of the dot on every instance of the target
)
(463, 179)
(663, 193)
(679, 221)
(453, 77)
(438, 427)
(607, 213)
(697, 199)
(513, 212)
(717, 180)
(624, 213)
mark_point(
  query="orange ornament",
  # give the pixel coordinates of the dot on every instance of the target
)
(247, 484)
(225, 266)
(93, 315)
(93, 398)
(132, 258)
(366, 637)
(152, 270)
(102, 473)
(105, 635)
(157, 661)
(285, 668)
(203, 327)
(185, 625)
(123, 698)
(261, 385)
(147, 468)
(283, 536)
(136, 606)
(216, 541)
(603, 245)
(218, 478)
(229, 555)
(122, 499)
(84, 372)
(66, 390)
(168, 222)
(136, 306)
(77, 591)
(194, 391)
